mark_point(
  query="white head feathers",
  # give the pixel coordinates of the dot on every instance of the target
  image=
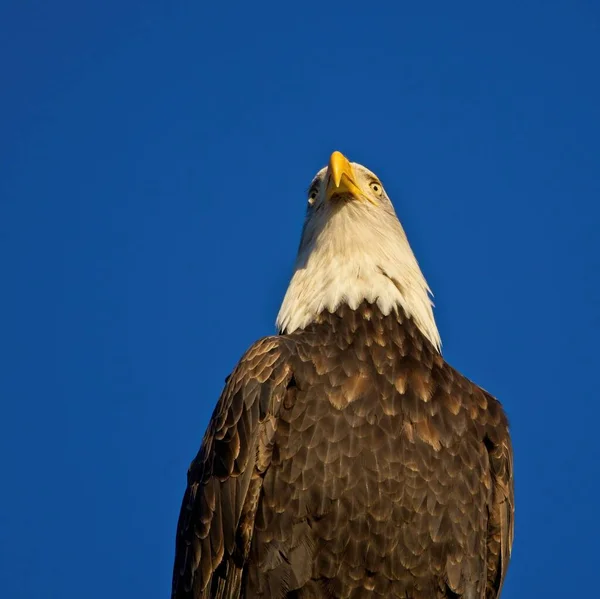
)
(353, 248)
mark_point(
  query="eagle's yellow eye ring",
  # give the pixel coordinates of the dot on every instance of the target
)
(376, 187)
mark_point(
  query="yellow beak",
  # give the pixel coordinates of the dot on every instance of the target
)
(341, 177)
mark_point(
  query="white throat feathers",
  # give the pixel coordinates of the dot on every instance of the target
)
(353, 248)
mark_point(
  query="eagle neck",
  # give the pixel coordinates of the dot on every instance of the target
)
(351, 256)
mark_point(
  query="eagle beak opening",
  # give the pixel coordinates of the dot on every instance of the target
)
(341, 178)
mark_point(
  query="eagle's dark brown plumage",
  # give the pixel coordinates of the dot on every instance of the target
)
(346, 459)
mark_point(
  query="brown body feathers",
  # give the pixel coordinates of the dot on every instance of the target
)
(348, 460)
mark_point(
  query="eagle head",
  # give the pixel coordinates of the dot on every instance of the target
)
(354, 249)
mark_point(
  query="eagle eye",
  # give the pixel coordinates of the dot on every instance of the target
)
(376, 187)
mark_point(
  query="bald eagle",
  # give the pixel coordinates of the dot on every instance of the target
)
(345, 458)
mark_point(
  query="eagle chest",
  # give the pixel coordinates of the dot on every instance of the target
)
(374, 454)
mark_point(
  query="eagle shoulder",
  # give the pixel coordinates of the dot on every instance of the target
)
(224, 480)
(502, 510)
(491, 432)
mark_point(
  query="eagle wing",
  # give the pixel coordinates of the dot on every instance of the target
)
(501, 518)
(216, 521)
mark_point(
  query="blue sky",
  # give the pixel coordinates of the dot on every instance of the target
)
(154, 162)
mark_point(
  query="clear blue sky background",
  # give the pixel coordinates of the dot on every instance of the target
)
(154, 159)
